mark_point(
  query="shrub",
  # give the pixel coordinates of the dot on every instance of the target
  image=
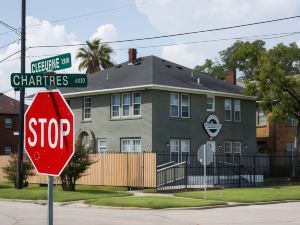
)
(10, 170)
(75, 169)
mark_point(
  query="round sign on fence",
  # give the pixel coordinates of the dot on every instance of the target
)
(209, 154)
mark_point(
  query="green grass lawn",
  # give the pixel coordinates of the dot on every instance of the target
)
(247, 195)
(153, 202)
(34, 192)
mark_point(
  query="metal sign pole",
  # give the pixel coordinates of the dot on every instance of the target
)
(50, 200)
(204, 171)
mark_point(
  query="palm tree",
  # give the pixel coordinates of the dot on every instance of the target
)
(95, 56)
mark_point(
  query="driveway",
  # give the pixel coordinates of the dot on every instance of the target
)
(18, 213)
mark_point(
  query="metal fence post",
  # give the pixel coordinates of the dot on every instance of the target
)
(185, 172)
(254, 170)
(239, 171)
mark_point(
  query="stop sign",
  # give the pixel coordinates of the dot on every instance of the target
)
(49, 132)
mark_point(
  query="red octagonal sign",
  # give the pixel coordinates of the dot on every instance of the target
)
(49, 132)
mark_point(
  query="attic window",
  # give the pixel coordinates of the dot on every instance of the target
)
(138, 61)
(169, 66)
(118, 66)
(179, 67)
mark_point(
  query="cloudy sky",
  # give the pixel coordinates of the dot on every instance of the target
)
(58, 22)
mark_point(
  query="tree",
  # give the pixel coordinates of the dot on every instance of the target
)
(75, 169)
(243, 56)
(94, 57)
(214, 69)
(10, 170)
(277, 83)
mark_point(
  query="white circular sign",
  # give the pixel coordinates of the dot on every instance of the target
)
(209, 154)
(212, 125)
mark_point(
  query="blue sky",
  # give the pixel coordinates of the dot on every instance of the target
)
(142, 18)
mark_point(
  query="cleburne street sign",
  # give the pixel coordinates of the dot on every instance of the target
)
(22, 80)
(59, 62)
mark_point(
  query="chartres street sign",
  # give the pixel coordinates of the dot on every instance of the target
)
(59, 62)
(49, 132)
(21, 80)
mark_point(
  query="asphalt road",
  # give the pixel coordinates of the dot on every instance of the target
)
(17, 213)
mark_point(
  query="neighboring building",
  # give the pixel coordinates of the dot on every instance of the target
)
(9, 124)
(151, 104)
(276, 138)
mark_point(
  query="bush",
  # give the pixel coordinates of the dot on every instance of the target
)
(75, 169)
(10, 170)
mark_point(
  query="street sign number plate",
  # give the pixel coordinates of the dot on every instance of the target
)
(23, 80)
(59, 62)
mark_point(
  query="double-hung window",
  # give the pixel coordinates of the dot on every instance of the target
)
(237, 147)
(261, 119)
(8, 123)
(227, 106)
(7, 149)
(87, 108)
(228, 147)
(126, 105)
(174, 105)
(291, 121)
(130, 145)
(179, 150)
(210, 103)
(102, 145)
(237, 110)
(185, 106)
(115, 105)
(136, 103)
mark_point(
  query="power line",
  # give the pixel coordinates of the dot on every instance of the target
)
(10, 27)
(9, 43)
(2, 60)
(173, 35)
(84, 15)
(253, 37)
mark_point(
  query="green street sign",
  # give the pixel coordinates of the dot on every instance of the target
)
(59, 62)
(23, 80)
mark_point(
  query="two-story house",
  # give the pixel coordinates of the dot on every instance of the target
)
(151, 104)
(9, 124)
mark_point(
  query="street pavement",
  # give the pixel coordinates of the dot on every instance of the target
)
(19, 213)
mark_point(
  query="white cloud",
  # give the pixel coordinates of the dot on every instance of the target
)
(46, 34)
(106, 32)
(176, 16)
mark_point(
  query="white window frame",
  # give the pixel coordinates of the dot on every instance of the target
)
(225, 151)
(139, 103)
(176, 144)
(10, 123)
(259, 111)
(129, 105)
(188, 105)
(188, 151)
(131, 145)
(84, 108)
(119, 106)
(237, 147)
(235, 110)
(6, 150)
(213, 103)
(178, 111)
(230, 108)
(99, 147)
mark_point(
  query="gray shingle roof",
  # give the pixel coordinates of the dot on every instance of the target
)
(152, 70)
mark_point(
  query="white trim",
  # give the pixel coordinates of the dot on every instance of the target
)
(234, 110)
(111, 106)
(230, 100)
(189, 106)
(239, 147)
(213, 105)
(158, 87)
(122, 105)
(178, 106)
(84, 107)
(140, 103)
(227, 142)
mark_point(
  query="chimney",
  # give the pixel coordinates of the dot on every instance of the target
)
(231, 76)
(131, 55)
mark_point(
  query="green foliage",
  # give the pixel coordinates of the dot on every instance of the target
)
(95, 56)
(10, 170)
(76, 167)
(214, 69)
(243, 56)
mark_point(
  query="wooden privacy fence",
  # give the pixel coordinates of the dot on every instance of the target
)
(114, 169)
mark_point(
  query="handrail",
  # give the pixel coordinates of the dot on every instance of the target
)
(178, 164)
(162, 165)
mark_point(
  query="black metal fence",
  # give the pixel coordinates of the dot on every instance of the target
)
(187, 171)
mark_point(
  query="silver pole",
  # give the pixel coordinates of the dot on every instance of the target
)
(50, 200)
(205, 171)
